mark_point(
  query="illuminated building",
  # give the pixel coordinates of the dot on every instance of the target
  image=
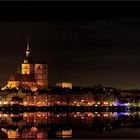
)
(64, 134)
(55, 97)
(30, 75)
(64, 85)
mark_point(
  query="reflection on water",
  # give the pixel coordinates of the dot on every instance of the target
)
(41, 125)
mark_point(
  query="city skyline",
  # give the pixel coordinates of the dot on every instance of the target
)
(69, 70)
(85, 47)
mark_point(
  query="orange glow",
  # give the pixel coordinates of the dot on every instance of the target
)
(34, 129)
(25, 103)
(25, 115)
(25, 68)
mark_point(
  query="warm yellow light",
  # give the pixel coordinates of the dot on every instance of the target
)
(105, 115)
(25, 115)
(12, 115)
(12, 134)
(25, 103)
(5, 103)
(38, 102)
(67, 132)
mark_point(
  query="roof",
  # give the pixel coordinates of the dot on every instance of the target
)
(22, 77)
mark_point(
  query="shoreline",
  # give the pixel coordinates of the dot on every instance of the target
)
(64, 109)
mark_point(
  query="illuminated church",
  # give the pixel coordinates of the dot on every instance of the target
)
(30, 76)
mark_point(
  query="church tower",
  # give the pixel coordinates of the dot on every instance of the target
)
(31, 76)
(27, 67)
(41, 74)
(27, 56)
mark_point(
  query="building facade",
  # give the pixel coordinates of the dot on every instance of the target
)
(30, 75)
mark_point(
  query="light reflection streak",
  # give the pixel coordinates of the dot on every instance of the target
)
(29, 125)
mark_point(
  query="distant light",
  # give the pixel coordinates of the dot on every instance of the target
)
(25, 103)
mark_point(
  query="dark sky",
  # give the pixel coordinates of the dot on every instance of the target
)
(89, 45)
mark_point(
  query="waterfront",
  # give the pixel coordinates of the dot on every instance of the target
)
(77, 125)
(82, 81)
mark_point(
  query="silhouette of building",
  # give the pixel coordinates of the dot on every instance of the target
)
(30, 75)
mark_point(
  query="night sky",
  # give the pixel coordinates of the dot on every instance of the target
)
(89, 45)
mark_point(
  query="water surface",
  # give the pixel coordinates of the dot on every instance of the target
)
(76, 125)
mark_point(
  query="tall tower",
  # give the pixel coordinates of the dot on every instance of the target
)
(27, 55)
(27, 67)
(41, 74)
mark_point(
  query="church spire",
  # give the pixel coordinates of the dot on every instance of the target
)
(28, 47)
(27, 55)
